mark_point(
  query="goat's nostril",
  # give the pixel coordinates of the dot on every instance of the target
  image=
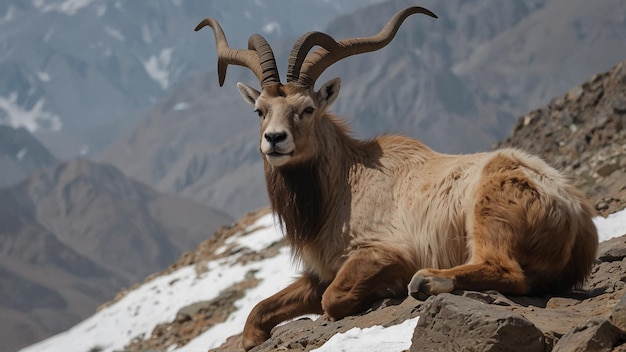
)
(274, 138)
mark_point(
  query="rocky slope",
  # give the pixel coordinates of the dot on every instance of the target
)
(583, 133)
(74, 234)
(570, 135)
(431, 82)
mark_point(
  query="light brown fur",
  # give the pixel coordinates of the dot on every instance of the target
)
(368, 218)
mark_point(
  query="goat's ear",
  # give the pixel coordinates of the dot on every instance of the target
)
(248, 93)
(329, 92)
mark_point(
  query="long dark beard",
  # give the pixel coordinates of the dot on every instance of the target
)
(296, 197)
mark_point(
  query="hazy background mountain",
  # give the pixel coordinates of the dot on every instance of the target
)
(78, 72)
(131, 86)
(457, 83)
(73, 235)
(21, 154)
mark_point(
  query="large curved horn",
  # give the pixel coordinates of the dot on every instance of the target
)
(259, 57)
(306, 69)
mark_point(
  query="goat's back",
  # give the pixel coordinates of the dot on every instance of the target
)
(439, 210)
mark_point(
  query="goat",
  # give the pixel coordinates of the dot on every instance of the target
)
(389, 217)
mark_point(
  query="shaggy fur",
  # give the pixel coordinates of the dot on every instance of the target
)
(390, 217)
(368, 218)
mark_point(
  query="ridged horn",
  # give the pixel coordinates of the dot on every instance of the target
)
(307, 69)
(259, 57)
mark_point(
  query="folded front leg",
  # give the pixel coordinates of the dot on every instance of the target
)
(367, 276)
(301, 297)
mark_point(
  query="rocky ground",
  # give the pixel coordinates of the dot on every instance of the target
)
(590, 319)
(583, 134)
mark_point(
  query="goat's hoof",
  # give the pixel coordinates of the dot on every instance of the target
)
(422, 286)
(250, 342)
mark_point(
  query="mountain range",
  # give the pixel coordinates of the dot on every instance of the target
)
(202, 300)
(21, 154)
(74, 234)
(456, 83)
(78, 73)
(132, 89)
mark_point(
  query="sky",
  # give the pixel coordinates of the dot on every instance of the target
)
(158, 300)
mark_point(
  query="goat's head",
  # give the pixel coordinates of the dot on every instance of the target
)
(290, 112)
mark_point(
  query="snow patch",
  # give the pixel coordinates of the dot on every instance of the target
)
(34, 119)
(115, 33)
(376, 338)
(43, 76)
(158, 300)
(67, 7)
(157, 67)
(181, 106)
(259, 235)
(272, 28)
(20, 155)
(612, 226)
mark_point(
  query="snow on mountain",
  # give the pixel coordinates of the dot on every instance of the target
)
(78, 71)
(33, 118)
(67, 7)
(159, 299)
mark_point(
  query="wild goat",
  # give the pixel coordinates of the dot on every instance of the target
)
(370, 218)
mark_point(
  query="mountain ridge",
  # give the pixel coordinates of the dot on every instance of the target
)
(410, 87)
(74, 234)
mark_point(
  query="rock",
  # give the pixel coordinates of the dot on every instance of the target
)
(453, 323)
(613, 254)
(607, 169)
(619, 73)
(619, 107)
(618, 316)
(574, 93)
(602, 205)
(583, 134)
(595, 335)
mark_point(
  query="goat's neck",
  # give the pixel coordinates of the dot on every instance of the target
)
(301, 194)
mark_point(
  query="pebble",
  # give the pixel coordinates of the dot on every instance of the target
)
(602, 206)
(619, 107)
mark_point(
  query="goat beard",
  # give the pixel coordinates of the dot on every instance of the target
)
(296, 197)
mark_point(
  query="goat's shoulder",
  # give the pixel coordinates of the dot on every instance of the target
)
(398, 150)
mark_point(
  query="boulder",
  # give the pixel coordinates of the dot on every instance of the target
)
(454, 323)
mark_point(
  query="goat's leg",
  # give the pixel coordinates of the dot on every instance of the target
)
(504, 276)
(303, 296)
(367, 276)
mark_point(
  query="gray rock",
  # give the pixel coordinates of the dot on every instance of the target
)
(453, 323)
(618, 316)
(613, 254)
(596, 335)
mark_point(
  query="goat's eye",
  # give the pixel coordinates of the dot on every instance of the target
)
(308, 110)
(259, 112)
